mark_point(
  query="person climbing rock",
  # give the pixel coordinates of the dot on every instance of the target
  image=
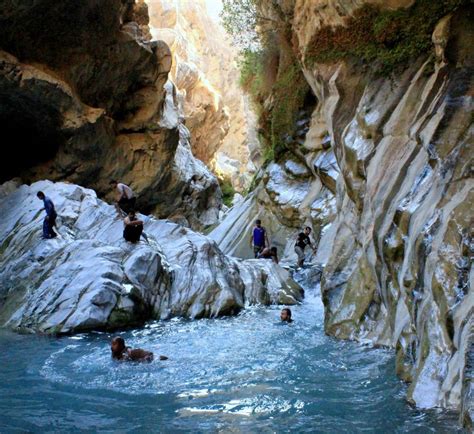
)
(303, 240)
(258, 238)
(50, 220)
(133, 227)
(285, 315)
(125, 197)
(269, 253)
(123, 353)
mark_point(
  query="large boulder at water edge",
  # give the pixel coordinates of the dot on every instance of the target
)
(90, 278)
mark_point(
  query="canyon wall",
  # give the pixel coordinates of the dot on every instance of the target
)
(205, 73)
(378, 160)
(85, 98)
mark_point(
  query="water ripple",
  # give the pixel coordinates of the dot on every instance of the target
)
(249, 373)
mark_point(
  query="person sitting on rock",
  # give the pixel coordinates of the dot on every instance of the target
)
(123, 353)
(269, 253)
(50, 220)
(303, 240)
(285, 315)
(133, 228)
(258, 238)
(125, 197)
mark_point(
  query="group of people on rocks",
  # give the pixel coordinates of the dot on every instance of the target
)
(261, 245)
(133, 230)
(122, 353)
(125, 204)
(133, 226)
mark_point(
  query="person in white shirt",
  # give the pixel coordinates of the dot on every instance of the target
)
(125, 198)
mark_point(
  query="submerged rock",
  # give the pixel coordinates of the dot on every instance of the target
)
(90, 278)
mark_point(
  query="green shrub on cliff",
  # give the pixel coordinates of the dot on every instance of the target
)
(228, 191)
(386, 39)
(289, 93)
(252, 73)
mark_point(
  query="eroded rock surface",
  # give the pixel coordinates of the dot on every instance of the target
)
(83, 95)
(394, 155)
(90, 278)
(206, 77)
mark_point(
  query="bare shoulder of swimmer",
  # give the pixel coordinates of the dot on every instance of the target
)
(139, 355)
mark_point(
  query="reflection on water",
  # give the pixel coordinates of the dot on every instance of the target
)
(248, 373)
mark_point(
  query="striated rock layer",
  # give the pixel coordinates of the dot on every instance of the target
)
(206, 76)
(90, 278)
(83, 96)
(395, 154)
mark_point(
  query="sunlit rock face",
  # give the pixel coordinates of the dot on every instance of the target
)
(83, 94)
(288, 198)
(395, 156)
(206, 77)
(90, 278)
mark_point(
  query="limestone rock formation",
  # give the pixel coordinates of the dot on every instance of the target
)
(83, 94)
(206, 76)
(287, 199)
(395, 157)
(90, 278)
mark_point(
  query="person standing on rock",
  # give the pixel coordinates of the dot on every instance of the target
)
(303, 240)
(132, 227)
(125, 197)
(258, 238)
(50, 220)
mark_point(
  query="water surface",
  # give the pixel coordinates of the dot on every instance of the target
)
(249, 373)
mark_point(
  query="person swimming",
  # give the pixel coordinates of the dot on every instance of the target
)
(124, 353)
(285, 315)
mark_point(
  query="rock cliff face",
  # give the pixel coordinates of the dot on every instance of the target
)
(90, 278)
(83, 95)
(386, 165)
(206, 77)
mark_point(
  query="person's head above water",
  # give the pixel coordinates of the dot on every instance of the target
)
(258, 223)
(307, 230)
(274, 251)
(117, 346)
(131, 214)
(285, 315)
(40, 195)
(113, 182)
(123, 353)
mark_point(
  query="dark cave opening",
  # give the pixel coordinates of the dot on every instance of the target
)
(32, 134)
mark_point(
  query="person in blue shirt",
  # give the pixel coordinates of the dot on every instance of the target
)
(50, 220)
(259, 238)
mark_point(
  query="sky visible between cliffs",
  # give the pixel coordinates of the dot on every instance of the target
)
(214, 8)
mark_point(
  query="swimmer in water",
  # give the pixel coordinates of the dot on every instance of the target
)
(123, 353)
(285, 315)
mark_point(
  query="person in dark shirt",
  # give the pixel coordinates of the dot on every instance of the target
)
(259, 238)
(123, 353)
(303, 240)
(132, 228)
(269, 253)
(50, 220)
(285, 315)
